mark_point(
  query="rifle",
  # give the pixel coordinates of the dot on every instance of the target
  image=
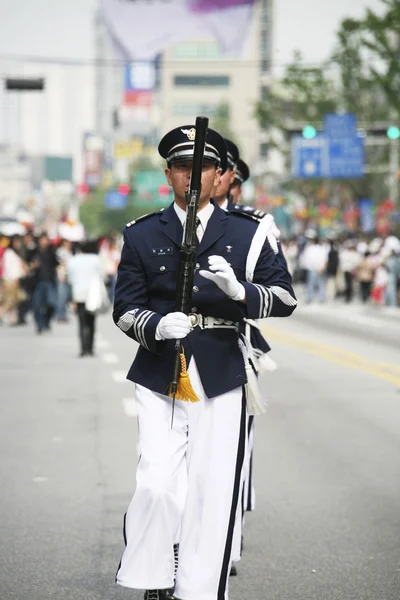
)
(180, 387)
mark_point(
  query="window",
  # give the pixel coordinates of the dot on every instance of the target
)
(190, 109)
(196, 51)
(201, 80)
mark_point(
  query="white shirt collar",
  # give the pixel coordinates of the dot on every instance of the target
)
(224, 205)
(204, 214)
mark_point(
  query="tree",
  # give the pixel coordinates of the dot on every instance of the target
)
(99, 220)
(304, 94)
(221, 122)
(380, 37)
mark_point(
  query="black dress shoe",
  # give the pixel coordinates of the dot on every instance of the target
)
(156, 595)
(171, 591)
(233, 572)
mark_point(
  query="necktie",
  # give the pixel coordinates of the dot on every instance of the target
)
(197, 227)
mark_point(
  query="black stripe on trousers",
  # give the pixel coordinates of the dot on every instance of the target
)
(119, 566)
(250, 486)
(226, 563)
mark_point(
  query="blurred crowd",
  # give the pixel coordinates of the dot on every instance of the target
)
(39, 277)
(347, 269)
(36, 276)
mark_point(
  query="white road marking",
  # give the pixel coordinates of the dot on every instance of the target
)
(119, 376)
(57, 439)
(103, 344)
(341, 312)
(366, 321)
(110, 358)
(130, 408)
(40, 479)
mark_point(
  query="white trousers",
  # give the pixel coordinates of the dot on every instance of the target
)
(203, 454)
(247, 496)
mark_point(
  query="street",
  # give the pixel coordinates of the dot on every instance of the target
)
(327, 462)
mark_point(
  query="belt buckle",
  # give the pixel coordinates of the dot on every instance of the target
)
(194, 320)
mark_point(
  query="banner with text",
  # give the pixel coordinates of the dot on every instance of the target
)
(141, 29)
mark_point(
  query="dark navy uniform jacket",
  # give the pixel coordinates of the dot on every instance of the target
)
(146, 291)
(257, 339)
(243, 208)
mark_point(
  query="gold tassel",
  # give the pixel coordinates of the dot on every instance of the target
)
(184, 390)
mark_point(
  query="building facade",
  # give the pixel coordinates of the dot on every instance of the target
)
(194, 78)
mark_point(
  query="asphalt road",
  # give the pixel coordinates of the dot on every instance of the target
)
(327, 462)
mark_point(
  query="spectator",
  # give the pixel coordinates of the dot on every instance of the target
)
(14, 269)
(29, 249)
(64, 254)
(393, 270)
(291, 252)
(365, 275)
(332, 269)
(379, 285)
(44, 299)
(81, 270)
(110, 255)
(315, 260)
(349, 260)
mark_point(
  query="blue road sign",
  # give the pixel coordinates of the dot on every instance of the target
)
(310, 158)
(113, 199)
(340, 126)
(346, 158)
(336, 153)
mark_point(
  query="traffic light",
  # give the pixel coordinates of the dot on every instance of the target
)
(24, 84)
(82, 189)
(124, 189)
(309, 132)
(393, 132)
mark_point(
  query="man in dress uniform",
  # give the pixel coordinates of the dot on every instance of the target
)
(242, 173)
(227, 194)
(207, 439)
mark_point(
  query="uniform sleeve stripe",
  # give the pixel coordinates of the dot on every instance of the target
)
(136, 328)
(147, 318)
(265, 300)
(283, 295)
(137, 323)
(261, 300)
(271, 302)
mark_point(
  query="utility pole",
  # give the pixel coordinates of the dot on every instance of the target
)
(18, 85)
(266, 7)
(23, 84)
(393, 171)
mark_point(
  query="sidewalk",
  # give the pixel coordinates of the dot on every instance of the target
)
(342, 310)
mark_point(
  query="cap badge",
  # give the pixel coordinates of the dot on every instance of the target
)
(191, 133)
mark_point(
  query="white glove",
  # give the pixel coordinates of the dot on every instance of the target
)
(174, 326)
(224, 277)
